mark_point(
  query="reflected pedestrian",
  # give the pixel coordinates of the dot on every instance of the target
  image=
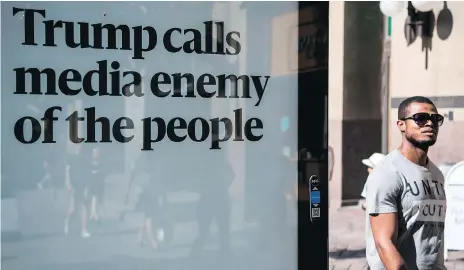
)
(47, 178)
(77, 182)
(150, 202)
(214, 202)
(96, 184)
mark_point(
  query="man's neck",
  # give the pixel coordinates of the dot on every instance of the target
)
(414, 154)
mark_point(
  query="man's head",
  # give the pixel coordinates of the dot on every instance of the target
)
(372, 161)
(419, 121)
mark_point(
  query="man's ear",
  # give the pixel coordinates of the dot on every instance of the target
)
(401, 126)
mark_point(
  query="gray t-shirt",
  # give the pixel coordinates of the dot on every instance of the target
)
(417, 194)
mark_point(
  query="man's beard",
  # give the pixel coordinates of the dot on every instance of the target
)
(424, 145)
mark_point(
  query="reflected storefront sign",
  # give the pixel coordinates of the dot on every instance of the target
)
(309, 52)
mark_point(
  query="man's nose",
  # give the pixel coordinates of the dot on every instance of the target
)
(431, 124)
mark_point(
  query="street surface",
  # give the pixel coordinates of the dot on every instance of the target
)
(346, 242)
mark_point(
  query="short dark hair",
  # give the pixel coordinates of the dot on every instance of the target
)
(403, 108)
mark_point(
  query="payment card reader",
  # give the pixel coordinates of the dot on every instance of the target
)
(314, 198)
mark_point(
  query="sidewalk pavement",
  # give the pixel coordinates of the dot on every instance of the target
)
(346, 241)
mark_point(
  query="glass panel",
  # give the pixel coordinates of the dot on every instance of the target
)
(126, 133)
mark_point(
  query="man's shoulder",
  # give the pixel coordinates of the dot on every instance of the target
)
(388, 164)
(435, 171)
(394, 162)
(384, 173)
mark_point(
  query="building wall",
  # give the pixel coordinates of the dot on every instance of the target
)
(442, 81)
(355, 60)
(362, 120)
(336, 37)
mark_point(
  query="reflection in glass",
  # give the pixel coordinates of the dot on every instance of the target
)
(149, 172)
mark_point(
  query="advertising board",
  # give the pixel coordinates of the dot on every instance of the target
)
(123, 134)
(454, 223)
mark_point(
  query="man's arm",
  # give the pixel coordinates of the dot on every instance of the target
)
(382, 190)
(384, 229)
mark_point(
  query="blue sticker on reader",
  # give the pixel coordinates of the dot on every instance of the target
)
(315, 196)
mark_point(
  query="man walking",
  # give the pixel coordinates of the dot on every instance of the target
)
(405, 196)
